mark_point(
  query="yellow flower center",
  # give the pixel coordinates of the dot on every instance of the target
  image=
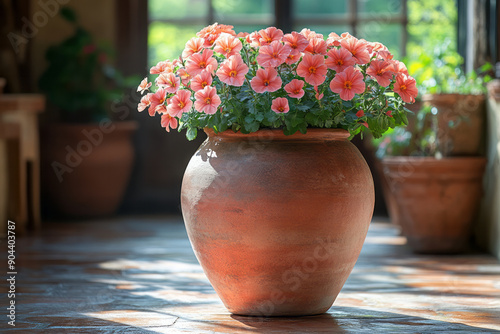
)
(181, 104)
(208, 100)
(347, 85)
(402, 87)
(233, 74)
(203, 64)
(312, 69)
(266, 83)
(340, 62)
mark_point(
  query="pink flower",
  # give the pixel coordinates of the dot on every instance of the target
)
(269, 35)
(184, 75)
(389, 113)
(333, 39)
(212, 32)
(357, 48)
(145, 102)
(207, 100)
(232, 71)
(360, 113)
(385, 55)
(313, 69)
(293, 57)
(266, 80)
(406, 87)
(280, 105)
(309, 34)
(157, 99)
(194, 45)
(180, 103)
(273, 55)
(399, 67)
(380, 70)
(199, 62)
(348, 83)
(168, 122)
(296, 41)
(162, 67)
(227, 45)
(294, 88)
(144, 85)
(318, 96)
(201, 81)
(169, 81)
(317, 46)
(339, 59)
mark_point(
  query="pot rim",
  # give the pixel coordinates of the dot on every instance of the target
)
(313, 134)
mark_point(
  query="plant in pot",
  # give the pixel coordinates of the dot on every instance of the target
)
(86, 151)
(277, 201)
(459, 98)
(434, 198)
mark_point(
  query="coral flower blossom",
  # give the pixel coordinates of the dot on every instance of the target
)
(269, 35)
(180, 103)
(294, 88)
(266, 80)
(184, 75)
(194, 45)
(357, 48)
(273, 55)
(280, 105)
(293, 57)
(313, 69)
(212, 32)
(144, 85)
(317, 46)
(207, 100)
(318, 96)
(296, 41)
(227, 45)
(232, 71)
(399, 67)
(201, 61)
(339, 59)
(309, 34)
(380, 70)
(360, 113)
(333, 39)
(168, 122)
(157, 99)
(162, 67)
(201, 81)
(348, 83)
(169, 81)
(406, 87)
(145, 102)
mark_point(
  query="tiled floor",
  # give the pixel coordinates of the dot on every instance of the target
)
(140, 276)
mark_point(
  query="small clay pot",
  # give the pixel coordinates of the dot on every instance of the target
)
(277, 222)
(438, 200)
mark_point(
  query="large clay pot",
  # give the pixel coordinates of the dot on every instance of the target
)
(86, 167)
(438, 200)
(277, 222)
(461, 120)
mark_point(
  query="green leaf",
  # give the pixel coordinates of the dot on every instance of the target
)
(191, 133)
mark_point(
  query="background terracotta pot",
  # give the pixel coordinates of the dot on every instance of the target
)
(85, 167)
(277, 222)
(438, 200)
(466, 114)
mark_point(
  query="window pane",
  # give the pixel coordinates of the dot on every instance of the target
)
(229, 7)
(166, 41)
(325, 29)
(175, 9)
(377, 6)
(388, 34)
(308, 7)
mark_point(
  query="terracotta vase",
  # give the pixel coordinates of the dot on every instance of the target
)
(438, 200)
(277, 222)
(461, 121)
(85, 167)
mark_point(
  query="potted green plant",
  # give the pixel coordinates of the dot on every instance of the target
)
(458, 97)
(434, 198)
(277, 201)
(86, 150)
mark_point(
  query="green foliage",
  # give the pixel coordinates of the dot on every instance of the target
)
(78, 82)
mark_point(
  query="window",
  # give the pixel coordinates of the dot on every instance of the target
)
(173, 22)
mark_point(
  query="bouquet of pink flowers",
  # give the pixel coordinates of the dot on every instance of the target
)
(268, 79)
